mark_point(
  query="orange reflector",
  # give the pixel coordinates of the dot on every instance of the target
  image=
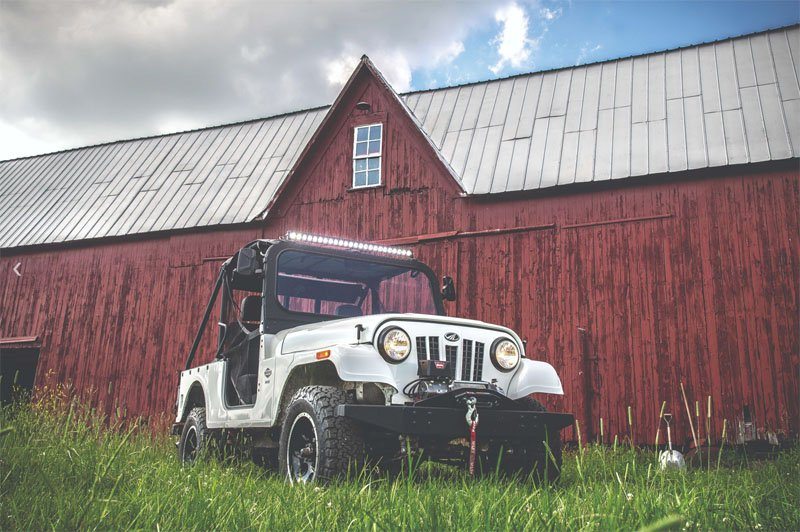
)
(322, 355)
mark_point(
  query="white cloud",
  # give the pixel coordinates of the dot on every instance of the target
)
(338, 70)
(91, 72)
(395, 65)
(587, 50)
(514, 46)
(550, 14)
(254, 54)
(396, 68)
(30, 135)
(449, 53)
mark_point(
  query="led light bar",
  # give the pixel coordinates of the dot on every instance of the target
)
(341, 243)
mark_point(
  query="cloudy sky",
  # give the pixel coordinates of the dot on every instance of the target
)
(77, 73)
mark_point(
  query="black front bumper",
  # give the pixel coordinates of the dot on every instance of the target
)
(444, 416)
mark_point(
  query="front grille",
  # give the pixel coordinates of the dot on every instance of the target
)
(464, 359)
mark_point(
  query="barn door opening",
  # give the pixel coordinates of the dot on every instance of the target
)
(17, 371)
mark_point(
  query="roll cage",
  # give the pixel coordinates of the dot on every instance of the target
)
(254, 268)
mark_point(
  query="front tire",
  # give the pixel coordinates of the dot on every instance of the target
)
(316, 445)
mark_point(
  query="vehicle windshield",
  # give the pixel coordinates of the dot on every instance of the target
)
(345, 287)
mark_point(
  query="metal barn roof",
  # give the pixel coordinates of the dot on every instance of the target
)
(730, 102)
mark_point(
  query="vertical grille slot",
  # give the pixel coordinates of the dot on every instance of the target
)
(477, 372)
(470, 355)
(466, 361)
(422, 349)
(433, 345)
(451, 354)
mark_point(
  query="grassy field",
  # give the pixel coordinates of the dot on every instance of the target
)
(61, 467)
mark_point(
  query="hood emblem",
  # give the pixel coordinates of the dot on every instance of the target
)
(451, 337)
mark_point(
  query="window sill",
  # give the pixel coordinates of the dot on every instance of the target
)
(369, 187)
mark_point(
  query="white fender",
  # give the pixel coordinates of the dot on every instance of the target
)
(534, 376)
(362, 363)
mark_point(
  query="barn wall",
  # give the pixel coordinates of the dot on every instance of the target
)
(627, 290)
(707, 295)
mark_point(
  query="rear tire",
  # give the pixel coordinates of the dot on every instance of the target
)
(195, 437)
(540, 457)
(316, 445)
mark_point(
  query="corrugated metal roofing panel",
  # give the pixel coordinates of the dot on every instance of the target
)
(569, 155)
(729, 102)
(715, 136)
(735, 144)
(639, 148)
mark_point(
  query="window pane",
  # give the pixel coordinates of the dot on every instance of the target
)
(360, 180)
(375, 132)
(374, 146)
(322, 284)
(361, 164)
(361, 133)
(361, 148)
(374, 177)
(373, 163)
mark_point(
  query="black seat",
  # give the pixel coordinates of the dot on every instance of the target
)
(243, 366)
(251, 311)
(349, 311)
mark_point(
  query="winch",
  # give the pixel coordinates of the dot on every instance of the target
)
(435, 379)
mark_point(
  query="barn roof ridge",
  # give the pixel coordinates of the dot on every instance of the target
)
(406, 93)
(599, 62)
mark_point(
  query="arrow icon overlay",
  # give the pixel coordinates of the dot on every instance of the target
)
(16, 269)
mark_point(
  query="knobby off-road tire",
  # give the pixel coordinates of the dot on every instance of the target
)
(316, 445)
(540, 457)
(196, 438)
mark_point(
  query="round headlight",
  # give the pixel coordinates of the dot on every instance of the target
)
(394, 344)
(505, 355)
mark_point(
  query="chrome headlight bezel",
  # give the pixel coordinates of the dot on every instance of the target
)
(385, 351)
(497, 345)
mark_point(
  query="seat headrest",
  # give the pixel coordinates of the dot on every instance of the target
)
(251, 309)
(348, 311)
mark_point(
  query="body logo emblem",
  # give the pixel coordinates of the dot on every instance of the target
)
(451, 337)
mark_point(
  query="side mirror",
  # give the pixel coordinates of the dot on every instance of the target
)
(448, 289)
(247, 262)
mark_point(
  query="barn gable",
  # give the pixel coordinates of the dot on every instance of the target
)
(408, 159)
(730, 102)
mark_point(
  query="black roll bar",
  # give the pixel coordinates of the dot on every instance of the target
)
(206, 316)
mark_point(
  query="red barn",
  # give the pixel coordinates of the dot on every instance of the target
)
(635, 220)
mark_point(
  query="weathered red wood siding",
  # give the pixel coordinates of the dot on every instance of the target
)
(691, 279)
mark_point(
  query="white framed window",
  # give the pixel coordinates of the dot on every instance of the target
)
(367, 146)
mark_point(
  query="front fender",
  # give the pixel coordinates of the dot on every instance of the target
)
(534, 376)
(362, 363)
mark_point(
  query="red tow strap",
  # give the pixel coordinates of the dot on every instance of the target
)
(472, 423)
(473, 437)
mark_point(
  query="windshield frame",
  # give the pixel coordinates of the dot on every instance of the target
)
(279, 318)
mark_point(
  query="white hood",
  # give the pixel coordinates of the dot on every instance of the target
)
(345, 332)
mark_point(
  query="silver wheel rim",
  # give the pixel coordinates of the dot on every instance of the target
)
(302, 453)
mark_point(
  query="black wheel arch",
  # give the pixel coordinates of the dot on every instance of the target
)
(320, 373)
(195, 397)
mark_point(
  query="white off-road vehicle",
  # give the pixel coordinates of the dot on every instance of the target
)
(333, 354)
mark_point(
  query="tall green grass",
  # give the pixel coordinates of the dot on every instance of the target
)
(63, 466)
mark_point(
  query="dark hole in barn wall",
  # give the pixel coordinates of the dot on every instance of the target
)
(18, 372)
